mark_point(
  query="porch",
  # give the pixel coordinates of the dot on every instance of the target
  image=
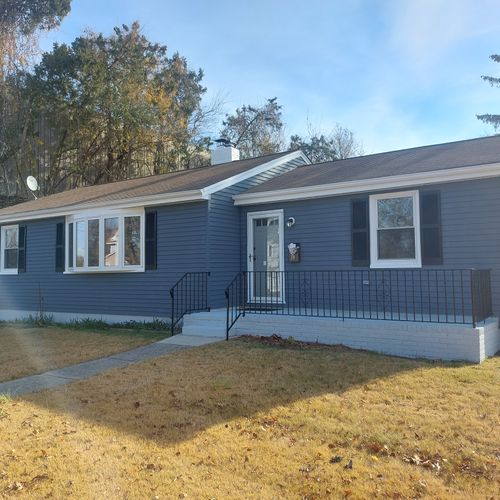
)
(433, 313)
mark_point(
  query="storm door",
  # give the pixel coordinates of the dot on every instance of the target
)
(265, 256)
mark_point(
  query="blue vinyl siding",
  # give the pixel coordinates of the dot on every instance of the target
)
(211, 236)
(225, 227)
(202, 236)
(182, 231)
(470, 214)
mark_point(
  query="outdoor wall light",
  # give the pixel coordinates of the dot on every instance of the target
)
(290, 222)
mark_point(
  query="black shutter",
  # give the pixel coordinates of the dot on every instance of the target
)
(360, 226)
(150, 240)
(60, 247)
(430, 228)
(21, 250)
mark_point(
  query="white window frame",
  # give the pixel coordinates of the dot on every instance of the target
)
(121, 267)
(2, 250)
(377, 263)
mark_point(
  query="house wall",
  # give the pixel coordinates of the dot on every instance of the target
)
(202, 236)
(224, 222)
(470, 225)
(181, 247)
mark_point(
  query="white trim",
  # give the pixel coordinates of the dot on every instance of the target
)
(3, 229)
(375, 262)
(362, 186)
(250, 246)
(248, 174)
(157, 199)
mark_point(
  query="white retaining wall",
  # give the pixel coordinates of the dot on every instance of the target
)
(409, 339)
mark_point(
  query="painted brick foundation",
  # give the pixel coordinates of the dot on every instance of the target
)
(414, 340)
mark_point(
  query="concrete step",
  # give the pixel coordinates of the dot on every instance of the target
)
(205, 324)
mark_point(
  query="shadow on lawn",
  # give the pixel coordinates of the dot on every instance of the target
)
(171, 399)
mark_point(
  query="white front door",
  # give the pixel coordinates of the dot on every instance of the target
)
(265, 254)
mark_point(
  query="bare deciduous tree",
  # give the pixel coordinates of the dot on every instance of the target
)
(338, 144)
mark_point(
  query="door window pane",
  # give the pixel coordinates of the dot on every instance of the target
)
(111, 239)
(93, 243)
(132, 228)
(80, 243)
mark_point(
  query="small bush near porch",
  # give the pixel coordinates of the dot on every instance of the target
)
(247, 419)
(26, 349)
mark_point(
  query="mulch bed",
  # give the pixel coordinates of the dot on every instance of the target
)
(291, 343)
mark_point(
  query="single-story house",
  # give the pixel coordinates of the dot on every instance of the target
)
(396, 252)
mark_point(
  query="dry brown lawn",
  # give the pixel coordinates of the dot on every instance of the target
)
(28, 351)
(247, 420)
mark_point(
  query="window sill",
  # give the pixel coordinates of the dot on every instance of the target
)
(9, 271)
(105, 271)
(396, 264)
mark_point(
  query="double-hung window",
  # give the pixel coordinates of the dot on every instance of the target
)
(10, 247)
(395, 230)
(113, 242)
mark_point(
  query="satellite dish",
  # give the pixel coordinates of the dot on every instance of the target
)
(32, 184)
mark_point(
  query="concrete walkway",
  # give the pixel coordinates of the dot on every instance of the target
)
(81, 371)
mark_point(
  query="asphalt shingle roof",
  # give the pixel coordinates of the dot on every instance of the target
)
(183, 180)
(450, 155)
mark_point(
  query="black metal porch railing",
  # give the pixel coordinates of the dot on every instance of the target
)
(459, 296)
(482, 303)
(189, 294)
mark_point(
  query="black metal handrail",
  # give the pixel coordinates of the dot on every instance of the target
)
(189, 294)
(236, 299)
(457, 296)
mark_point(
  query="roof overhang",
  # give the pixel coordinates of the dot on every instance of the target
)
(203, 194)
(143, 201)
(369, 185)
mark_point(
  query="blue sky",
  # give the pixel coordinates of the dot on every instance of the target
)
(398, 73)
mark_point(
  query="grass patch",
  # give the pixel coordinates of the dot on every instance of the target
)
(30, 322)
(89, 324)
(251, 420)
(4, 400)
(156, 325)
(28, 350)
